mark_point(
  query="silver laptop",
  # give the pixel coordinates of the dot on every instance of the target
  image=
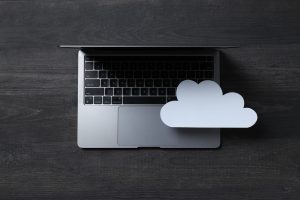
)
(121, 90)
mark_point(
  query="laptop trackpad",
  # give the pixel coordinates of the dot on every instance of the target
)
(141, 126)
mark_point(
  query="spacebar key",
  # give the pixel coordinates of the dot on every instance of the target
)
(144, 100)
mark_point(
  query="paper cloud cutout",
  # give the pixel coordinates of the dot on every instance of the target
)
(203, 105)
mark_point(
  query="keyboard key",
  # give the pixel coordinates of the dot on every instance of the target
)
(171, 91)
(164, 74)
(120, 74)
(177, 66)
(166, 83)
(208, 65)
(135, 91)
(159, 66)
(162, 91)
(126, 91)
(131, 83)
(97, 100)
(149, 83)
(88, 58)
(92, 82)
(144, 100)
(133, 65)
(168, 66)
(122, 82)
(88, 65)
(199, 74)
(182, 74)
(113, 83)
(97, 58)
(186, 66)
(102, 74)
(147, 74)
(106, 66)
(144, 91)
(111, 74)
(116, 100)
(128, 74)
(194, 66)
(88, 100)
(157, 83)
(175, 82)
(190, 74)
(106, 100)
(139, 83)
(115, 66)
(91, 74)
(171, 98)
(138, 74)
(208, 74)
(104, 83)
(98, 65)
(117, 91)
(155, 74)
(209, 58)
(109, 91)
(94, 91)
(173, 74)
(153, 91)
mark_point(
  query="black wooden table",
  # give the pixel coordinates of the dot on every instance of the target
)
(39, 157)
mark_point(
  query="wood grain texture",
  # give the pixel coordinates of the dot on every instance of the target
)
(39, 158)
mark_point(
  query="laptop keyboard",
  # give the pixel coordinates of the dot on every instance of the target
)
(141, 79)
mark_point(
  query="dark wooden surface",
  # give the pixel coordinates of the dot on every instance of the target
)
(39, 157)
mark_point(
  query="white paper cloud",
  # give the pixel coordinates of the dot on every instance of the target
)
(203, 105)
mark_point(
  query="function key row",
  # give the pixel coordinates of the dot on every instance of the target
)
(149, 58)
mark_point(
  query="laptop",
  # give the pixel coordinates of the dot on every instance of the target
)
(121, 90)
